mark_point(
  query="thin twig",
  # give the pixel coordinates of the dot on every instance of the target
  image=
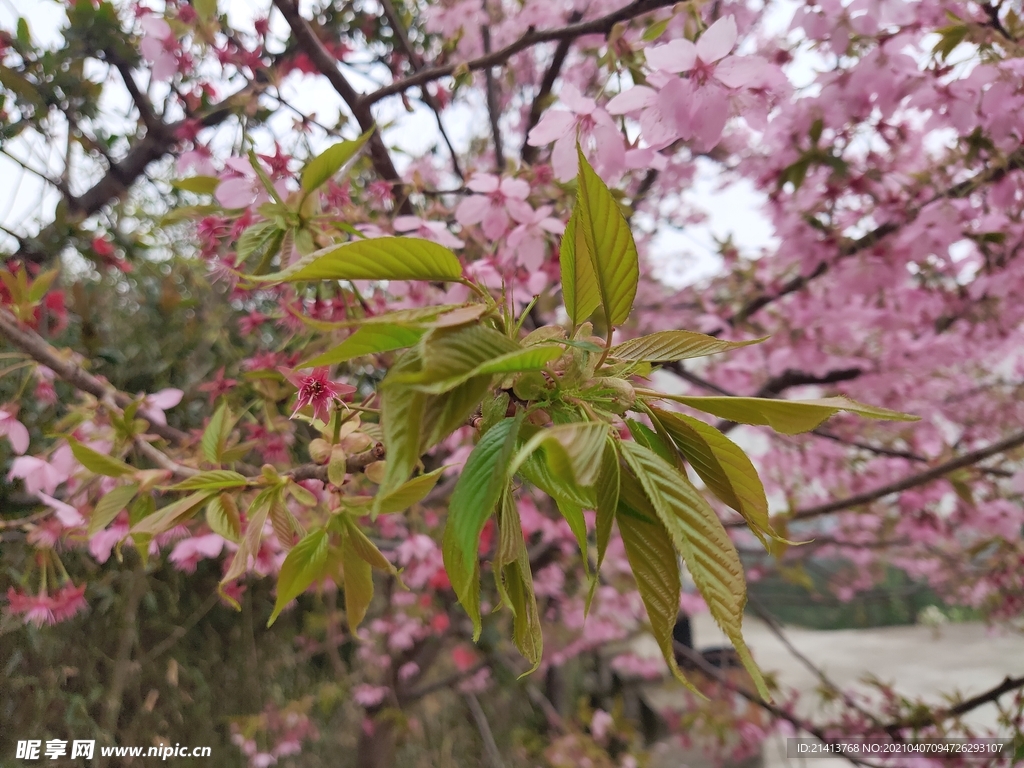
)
(485, 730)
(911, 481)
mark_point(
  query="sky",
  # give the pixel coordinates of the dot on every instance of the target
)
(682, 256)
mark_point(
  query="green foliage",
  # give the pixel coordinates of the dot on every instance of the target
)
(551, 410)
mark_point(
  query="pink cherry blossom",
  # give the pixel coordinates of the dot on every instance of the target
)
(43, 608)
(429, 230)
(39, 474)
(15, 432)
(528, 240)
(697, 106)
(587, 123)
(154, 405)
(497, 199)
(188, 552)
(317, 391)
(159, 47)
(241, 187)
(67, 514)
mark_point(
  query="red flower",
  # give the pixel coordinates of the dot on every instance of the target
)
(317, 391)
(46, 609)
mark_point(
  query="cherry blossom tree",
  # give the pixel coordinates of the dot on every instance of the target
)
(360, 303)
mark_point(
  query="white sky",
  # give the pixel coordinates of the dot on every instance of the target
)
(683, 256)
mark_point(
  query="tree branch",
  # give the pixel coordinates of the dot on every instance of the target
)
(529, 152)
(416, 62)
(1009, 684)
(599, 26)
(357, 104)
(912, 481)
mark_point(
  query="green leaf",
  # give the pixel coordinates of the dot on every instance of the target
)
(303, 565)
(366, 549)
(358, 584)
(473, 501)
(205, 9)
(250, 544)
(223, 518)
(200, 185)
(655, 567)
(514, 580)
(99, 463)
(216, 434)
(537, 471)
(173, 514)
(607, 492)
(666, 346)
(451, 356)
(382, 258)
(648, 437)
(330, 161)
(609, 242)
(573, 514)
(573, 451)
(724, 468)
(790, 417)
(213, 480)
(110, 506)
(409, 493)
(579, 280)
(529, 359)
(702, 540)
(401, 414)
(368, 340)
(443, 414)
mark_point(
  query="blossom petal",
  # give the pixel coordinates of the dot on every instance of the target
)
(638, 97)
(718, 40)
(16, 433)
(739, 71)
(484, 183)
(552, 126)
(675, 56)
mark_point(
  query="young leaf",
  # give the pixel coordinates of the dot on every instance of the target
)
(609, 242)
(510, 541)
(529, 359)
(110, 506)
(655, 567)
(303, 565)
(451, 356)
(214, 480)
(382, 258)
(573, 451)
(358, 584)
(99, 463)
(368, 340)
(409, 493)
(790, 417)
(579, 280)
(646, 436)
(536, 469)
(401, 414)
(200, 185)
(666, 346)
(366, 549)
(703, 542)
(477, 492)
(250, 544)
(216, 434)
(526, 631)
(223, 518)
(724, 468)
(322, 167)
(174, 514)
(607, 492)
(443, 414)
